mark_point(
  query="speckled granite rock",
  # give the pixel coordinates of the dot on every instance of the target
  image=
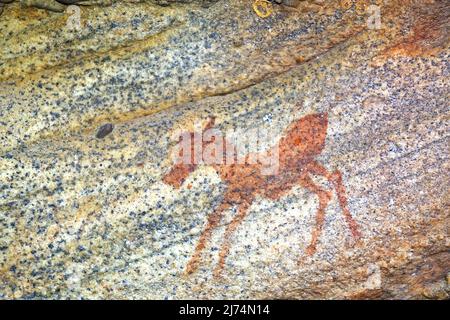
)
(86, 125)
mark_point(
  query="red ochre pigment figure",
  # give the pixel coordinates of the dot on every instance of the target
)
(302, 142)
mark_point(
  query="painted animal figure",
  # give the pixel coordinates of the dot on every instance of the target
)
(302, 142)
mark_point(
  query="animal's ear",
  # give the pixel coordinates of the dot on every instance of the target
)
(211, 122)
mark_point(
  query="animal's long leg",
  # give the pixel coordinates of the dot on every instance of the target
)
(336, 179)
(213, 220)
(225, 249)
(324, 198)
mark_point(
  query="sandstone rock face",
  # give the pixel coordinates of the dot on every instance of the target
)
(93, 206)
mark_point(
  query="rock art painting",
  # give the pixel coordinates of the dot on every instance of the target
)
(302, 142)
(224, 149)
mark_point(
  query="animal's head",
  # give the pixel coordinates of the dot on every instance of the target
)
(187, 155)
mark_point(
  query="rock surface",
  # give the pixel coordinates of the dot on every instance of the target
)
(87, 118)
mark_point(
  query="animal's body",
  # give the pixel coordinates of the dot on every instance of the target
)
(302, 142)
